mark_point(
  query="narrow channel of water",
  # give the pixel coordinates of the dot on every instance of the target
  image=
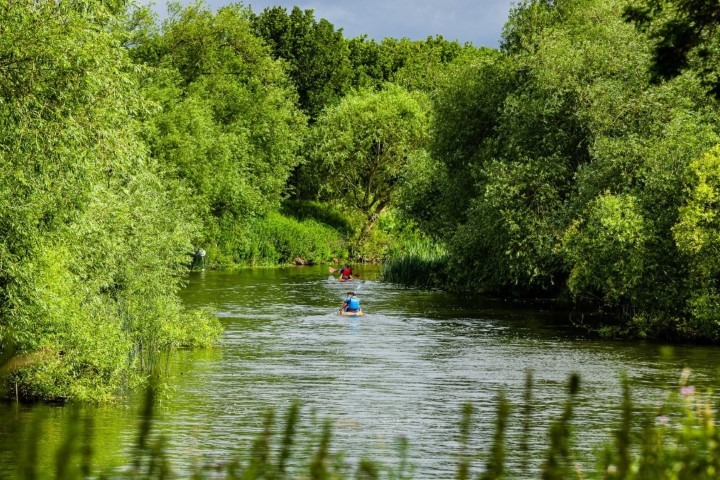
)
(402, 371)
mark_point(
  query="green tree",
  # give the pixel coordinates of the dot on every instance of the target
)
(466, 116)
(362, 148)
(415, 65)
(94, 238)
(697, 238)
(228, 125)
(317, 55)
(564, 167)
(684, 36)
(371, 66)
(607, 248)
(420, 64)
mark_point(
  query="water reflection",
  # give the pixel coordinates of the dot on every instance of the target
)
(354, 324)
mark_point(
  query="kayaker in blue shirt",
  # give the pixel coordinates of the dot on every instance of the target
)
(351, 303)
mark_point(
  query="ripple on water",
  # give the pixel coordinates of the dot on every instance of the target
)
(402, 371)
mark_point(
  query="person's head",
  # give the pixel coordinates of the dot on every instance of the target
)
(351, 294)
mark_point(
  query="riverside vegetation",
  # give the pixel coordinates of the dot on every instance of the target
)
(577, 162)
(677, 439)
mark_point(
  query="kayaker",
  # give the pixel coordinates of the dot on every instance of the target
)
(351, 303)
(346, 273)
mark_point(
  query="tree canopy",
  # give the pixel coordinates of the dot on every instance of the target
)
(578, 171)
(229, 126)
(577, 162)
(95, 235)
(684, 36)
(364, 147)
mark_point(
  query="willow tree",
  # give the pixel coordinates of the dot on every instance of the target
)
(364, 148)
(93, 235)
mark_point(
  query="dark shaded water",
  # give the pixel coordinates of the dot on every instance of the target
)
(404, 370)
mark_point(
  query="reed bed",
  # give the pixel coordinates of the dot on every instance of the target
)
(674, 440)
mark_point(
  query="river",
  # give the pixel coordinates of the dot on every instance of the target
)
(403, 371)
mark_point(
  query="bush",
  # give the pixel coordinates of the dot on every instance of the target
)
(318, 211)
(276, 239)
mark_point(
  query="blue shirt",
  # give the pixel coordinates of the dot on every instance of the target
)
(353, 303)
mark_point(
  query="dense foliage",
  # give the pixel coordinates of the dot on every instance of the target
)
(128, 144)
(317, 55)
(578, 162)
(564, 169)
(363, 148)
(228, 129)
(94, 233)
(684, 35)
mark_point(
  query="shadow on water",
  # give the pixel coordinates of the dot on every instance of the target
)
(404, 371)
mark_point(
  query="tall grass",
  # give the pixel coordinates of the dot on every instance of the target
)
(276, 239)
(679, 440)
(422, 264)
(320, 212)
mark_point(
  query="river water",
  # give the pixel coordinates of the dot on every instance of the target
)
(402, 372)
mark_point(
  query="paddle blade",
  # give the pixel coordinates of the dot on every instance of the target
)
(331, 270)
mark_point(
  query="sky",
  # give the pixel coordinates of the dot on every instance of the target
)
(479, 22)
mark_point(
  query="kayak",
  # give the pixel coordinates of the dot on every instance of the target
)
(332, 278)
(359, 313)
(351, 280)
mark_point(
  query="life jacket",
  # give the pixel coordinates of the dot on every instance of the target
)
(354, 303)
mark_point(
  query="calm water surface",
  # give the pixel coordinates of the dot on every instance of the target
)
(402, 371)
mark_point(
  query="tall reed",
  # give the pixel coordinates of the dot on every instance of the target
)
(679, 440)
(422, 264)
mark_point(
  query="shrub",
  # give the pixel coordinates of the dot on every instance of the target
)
(276, 239)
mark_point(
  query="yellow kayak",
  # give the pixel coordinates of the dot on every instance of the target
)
(359, 313)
